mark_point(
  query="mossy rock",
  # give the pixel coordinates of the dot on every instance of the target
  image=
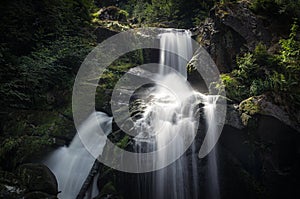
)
(250, 106)
(9, 178)
(263, 105)
(112, 13)
(38, 177)
(9, 192)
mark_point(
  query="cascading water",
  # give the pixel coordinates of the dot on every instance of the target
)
(173, 181)
(210, 108)
(71, 165)
(180, 41)
(171, 111)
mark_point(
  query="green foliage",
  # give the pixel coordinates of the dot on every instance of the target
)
(291, 48)
(247, 67)
(50, 67)
(234, 89)
(264, 58)
(180, 13)
(42, 45)
(41, 48)
(261, 72)
(27, 23)
(107, 189)
(290, 62)
(15, 150)
(124, 142)
(27, 134)
(112, 74)
(287, 9)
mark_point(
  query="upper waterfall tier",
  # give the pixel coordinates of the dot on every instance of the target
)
(181, 42)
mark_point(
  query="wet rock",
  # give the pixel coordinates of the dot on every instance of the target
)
(233, 117)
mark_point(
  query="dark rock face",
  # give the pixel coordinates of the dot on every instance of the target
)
(103, 33)
(260, 161)
(231, 29)
(38, 178)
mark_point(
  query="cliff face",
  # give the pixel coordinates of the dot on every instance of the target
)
(230, 30)
(259, 146)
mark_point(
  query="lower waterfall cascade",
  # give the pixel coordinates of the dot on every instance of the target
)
(71, 165)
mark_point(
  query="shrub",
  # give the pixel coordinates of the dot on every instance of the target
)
(234, 89)
(284, 9)
(247, 68)
(51, 67)
(261, 72)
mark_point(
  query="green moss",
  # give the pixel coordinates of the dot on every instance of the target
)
(29, 134)
(112, 25)
(250, 106)
(124, 142)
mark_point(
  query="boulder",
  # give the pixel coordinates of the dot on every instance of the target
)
(38, 177)
(112, 13)
(233, 117)
(262, 105)
(103, 33)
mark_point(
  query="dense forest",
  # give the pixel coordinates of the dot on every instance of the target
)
(254, 43)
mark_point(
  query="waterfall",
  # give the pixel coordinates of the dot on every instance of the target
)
(180, 41)
(210, 106)
(71, 165)
(171, 111)
(171, 114)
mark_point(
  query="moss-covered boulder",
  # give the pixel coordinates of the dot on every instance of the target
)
(38, 177)
(112, 13)
(263, 105)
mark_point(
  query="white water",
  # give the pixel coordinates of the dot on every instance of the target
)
(180, 42)
(170, 113)
(71, 165)
(211, 121)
